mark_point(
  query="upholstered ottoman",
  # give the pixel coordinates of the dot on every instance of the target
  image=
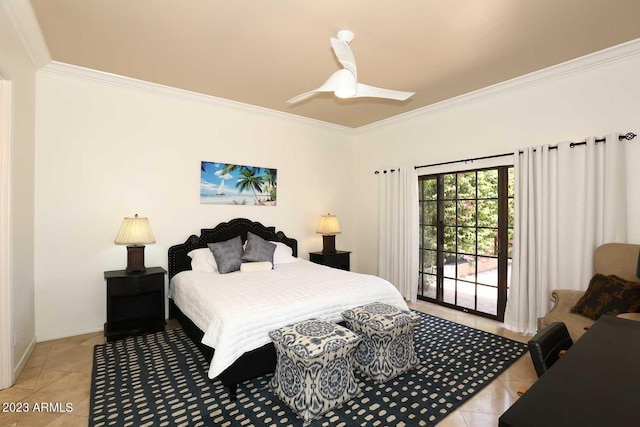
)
(314, 372)
(386, 349)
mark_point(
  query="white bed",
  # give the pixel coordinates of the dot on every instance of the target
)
(237, 310)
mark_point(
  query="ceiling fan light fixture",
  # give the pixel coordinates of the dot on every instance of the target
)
(347, 86)
(345, 93)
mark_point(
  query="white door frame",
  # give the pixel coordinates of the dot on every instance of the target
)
(6, 238)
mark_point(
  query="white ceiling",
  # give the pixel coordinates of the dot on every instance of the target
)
(263, 52)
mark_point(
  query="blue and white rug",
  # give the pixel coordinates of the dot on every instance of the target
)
(161, 380)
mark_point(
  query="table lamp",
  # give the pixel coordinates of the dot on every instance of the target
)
(328, 227)
(135, 233)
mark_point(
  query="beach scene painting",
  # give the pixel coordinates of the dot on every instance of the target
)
(228, 184)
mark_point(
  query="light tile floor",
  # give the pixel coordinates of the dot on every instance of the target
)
(485, 408)
(59, 371)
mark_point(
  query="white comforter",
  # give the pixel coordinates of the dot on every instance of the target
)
(237, 310)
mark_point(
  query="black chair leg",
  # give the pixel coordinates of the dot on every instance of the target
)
(233, 392)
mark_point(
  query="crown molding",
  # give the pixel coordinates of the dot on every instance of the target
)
(579, 65)
(26, 24)
(109, 79)
(601, 58)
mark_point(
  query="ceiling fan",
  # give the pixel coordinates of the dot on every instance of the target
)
(344, 83)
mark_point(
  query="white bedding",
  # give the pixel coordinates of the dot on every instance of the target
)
(237, 310)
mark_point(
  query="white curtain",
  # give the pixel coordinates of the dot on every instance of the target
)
(568, 201)
(398, 232)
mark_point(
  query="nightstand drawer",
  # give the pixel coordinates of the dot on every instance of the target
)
(134, 285)
(339, 259)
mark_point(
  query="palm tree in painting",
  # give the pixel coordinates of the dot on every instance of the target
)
(271, 179)
(228, 168)
(250, 180)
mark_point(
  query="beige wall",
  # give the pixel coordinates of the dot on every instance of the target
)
(595, 101)
(105, 152)
(16, 66)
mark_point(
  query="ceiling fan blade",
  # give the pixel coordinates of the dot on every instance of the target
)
(366, 91)
(301, 97)
(331, 85)
(345, 55)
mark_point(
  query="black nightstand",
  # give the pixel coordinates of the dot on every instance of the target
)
(338, 260)
(135, 303)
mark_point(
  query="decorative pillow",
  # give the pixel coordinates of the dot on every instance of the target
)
(258, 249)
(247, 267)
(202, 260)
(608, 295)
(283, 254)
(228, 254)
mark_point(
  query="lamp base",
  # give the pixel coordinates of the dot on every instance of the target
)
(135, 259)
(329, 244)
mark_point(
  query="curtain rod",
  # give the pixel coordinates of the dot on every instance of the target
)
(628, 136)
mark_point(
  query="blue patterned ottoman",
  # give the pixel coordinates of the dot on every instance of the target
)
(314, 373)
(386, 349)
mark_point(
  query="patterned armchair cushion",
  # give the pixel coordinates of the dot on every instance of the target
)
(608, 295)
(387, 348)
(314, 372)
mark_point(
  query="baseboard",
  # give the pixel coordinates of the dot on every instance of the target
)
(42, 338)
(23, 360)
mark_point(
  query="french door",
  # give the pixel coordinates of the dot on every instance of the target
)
(466, 239)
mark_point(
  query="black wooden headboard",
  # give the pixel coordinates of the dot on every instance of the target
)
(179, 261)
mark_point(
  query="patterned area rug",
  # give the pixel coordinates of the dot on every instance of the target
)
(161, 380)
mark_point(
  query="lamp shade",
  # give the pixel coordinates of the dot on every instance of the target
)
(329, 225)
(135, 231)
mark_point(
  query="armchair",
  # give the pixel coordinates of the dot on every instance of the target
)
(609, 259)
